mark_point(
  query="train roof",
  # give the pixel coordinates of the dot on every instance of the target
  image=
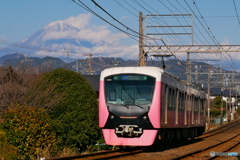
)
(151, 71)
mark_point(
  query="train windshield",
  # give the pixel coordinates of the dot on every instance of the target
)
(129, 89)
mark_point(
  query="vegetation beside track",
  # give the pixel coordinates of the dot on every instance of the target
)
(56, 114)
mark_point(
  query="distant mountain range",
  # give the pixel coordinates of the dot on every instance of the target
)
(58, 36)
(99, 65)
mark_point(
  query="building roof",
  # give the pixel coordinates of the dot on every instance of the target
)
(217, 92)
(93, 80)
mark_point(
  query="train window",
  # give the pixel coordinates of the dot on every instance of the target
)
(129, 89)
(183, 101)
(196, 110)
(173, 99)
(169, 98)
(201, 105)
(180, 101)
(196, 104)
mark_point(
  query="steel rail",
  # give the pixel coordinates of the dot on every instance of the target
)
(133, 150)
(85, 155)
(203, 149)
(220, 130)
(228, 149)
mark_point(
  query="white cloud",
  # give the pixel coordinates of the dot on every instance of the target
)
(226, 41)
(81, 21)
(3, 37)
(102, 38)
(123, 17)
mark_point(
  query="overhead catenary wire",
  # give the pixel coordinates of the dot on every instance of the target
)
(117, 20)
(211, 31)
(164, 30)
(236, 11)
(95, 13)
(173, 55)
(205, 28)
(178, 19)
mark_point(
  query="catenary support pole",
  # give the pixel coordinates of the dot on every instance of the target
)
(208, 97)
(141, 43)
(188, 70)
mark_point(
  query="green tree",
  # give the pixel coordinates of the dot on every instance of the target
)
(28, 129)
(217, 101)
(216, 112)
(75, 116)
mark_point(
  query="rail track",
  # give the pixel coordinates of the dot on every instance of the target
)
(232, 144)
(219, 147)
(220, 129)
(105, 154)
(119, 153)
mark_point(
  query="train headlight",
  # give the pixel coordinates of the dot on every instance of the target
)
(112, 117)
(144, 118)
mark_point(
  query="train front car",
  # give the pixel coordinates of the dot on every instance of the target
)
(129, 105)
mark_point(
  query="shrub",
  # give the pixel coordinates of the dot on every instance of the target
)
(74, 118)
(7, 151)
(28, 129)
(216, 112)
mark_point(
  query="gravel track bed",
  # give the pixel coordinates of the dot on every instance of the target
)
(164, 154)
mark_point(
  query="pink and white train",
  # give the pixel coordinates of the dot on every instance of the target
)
(140, 105)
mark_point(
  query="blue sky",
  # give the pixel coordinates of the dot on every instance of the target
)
(20, 19)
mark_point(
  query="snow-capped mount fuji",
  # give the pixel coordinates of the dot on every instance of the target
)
(56, 35)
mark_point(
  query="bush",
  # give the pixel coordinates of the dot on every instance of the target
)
(217, 101)
(216, 112)
(102, 146)
(7, 151)
(28, 129)
(74, 118)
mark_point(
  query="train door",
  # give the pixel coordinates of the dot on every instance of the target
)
(177, 107)
(185, 108)
(166, 104)
(170, 106)
(193, 109)
(199, 110)
(163, 101)
(188, 110)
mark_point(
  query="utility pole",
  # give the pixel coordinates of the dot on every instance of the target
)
(221, 100)
(236, 102)
(230, 105)
(221, 89)
(188, 69)
(196, 76)
(116, 63)
(141, 43)
(208, 97)
(89, 70)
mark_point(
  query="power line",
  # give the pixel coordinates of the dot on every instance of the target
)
(126, 8)
(210, 30)
(202, 25)
(236, 11)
